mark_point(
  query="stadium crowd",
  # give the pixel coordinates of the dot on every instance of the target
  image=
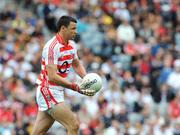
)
(133, 44)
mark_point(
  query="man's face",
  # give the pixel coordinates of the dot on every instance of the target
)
(71, 30)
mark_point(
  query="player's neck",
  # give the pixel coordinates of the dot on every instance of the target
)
(64, 39)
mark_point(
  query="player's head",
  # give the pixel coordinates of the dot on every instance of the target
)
(67, 25)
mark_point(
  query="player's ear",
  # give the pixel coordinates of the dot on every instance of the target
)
(63, 28)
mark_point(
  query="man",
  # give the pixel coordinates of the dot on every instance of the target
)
(58, 55)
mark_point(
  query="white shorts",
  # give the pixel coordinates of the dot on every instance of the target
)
(47, 97)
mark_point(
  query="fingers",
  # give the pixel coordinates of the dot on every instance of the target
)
(87, 92)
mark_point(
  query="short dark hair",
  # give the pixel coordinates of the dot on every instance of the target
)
(65, 21)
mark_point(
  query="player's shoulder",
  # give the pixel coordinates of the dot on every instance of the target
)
(51, 43)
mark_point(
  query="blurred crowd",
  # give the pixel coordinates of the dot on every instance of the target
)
(133, 44)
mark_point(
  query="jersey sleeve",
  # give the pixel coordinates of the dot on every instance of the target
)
(50, 54)
(75, 54)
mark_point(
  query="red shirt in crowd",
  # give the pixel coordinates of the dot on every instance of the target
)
(174, 109)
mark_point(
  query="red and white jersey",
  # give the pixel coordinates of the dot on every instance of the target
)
(57, 53)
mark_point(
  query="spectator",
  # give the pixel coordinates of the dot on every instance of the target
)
(174, 77)
(174, 107)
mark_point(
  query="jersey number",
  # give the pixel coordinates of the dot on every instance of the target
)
(65, 64)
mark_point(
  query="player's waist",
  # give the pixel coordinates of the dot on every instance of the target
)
(49, 85)
(44, 82)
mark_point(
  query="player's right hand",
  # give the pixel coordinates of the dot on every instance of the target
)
(75, 87)
(86, 92)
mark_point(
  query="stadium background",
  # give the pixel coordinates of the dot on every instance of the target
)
(133, 44)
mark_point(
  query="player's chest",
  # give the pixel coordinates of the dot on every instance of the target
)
(66, 56)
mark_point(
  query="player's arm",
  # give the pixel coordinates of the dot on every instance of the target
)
(55, 78)
(78, 68)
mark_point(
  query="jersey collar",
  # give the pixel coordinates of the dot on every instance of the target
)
(59, 38)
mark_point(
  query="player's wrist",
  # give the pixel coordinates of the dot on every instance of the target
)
(83, 75)
(75, 87)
